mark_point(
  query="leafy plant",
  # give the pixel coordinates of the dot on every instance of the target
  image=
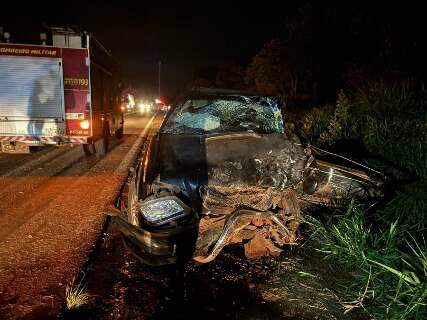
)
(341, 125)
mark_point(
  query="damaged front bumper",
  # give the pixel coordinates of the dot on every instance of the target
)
(204, 238)
(158, 247)
(162, 247)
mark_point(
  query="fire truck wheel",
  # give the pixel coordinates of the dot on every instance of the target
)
(106, 137)
(119, 133)
(86, 149)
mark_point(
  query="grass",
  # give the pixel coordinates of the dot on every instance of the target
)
(76, 296)
(384, 251)
(388, 267)
(304, 274)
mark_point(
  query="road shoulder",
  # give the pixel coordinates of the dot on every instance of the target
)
(41, 258)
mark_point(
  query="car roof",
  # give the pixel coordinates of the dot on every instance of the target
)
(207, 93)
(222, 92)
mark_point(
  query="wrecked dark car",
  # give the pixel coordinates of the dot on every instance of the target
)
(222, 171)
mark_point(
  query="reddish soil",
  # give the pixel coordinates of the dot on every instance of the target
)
(296, 285)
(47, 234)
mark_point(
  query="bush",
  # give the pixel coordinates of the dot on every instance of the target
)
(380, 98)
(401, 140)
(342, 125)
(410, 208)
(391, 122)
(316, 122)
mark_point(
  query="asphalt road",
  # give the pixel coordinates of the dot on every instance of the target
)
(51, 214)
(134, 122)
(9, 162)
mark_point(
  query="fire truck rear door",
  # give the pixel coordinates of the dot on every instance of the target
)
(31, 96)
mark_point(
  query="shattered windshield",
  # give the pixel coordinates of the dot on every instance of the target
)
(204, 115)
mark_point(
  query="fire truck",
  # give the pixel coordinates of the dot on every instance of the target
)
(64, 93)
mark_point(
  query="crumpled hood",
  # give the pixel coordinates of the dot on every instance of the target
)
(254, 160)
(223, 172)
(244, 159)
(247, 162)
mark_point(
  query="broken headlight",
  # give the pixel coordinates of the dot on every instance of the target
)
(163, 210)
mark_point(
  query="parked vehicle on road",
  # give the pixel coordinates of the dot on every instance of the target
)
(64, 93)
(145, 107)
(222, 171)
(161, 106)
(129, 102)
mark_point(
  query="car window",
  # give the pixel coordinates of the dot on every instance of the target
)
(225, 114)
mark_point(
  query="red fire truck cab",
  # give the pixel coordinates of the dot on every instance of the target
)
(64, 93)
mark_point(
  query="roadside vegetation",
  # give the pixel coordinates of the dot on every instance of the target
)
(384, 250)
(76, 296)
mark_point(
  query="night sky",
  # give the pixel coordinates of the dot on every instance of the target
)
(187, 36)
(183, 37)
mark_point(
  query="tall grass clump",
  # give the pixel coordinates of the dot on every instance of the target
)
(394, 127)
(76, 296)
(388, 266)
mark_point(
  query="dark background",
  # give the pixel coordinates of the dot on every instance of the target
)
(190, 37)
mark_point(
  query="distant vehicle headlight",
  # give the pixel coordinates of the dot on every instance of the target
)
(144, 107)
(163, 210)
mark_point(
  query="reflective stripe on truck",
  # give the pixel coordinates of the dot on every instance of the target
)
(46, 139)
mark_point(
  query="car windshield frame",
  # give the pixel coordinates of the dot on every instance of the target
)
(220, 114)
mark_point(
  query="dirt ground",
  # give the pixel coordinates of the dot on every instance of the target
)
(50, 223)
(296, 285)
